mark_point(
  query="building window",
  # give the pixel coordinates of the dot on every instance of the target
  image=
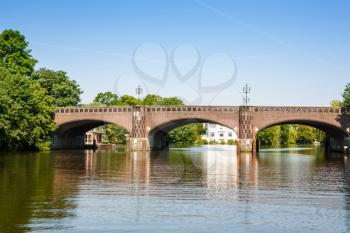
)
(230, 134)
(212, 134)
(221, 134)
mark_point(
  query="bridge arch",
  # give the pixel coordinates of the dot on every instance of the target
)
(71, 134)
(79, 127)
(73, 123)
(158, 135)
(335, 134)
(330, 129)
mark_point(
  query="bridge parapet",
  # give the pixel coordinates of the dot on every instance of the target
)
(192, 108)
(64, 110)
(299, 109)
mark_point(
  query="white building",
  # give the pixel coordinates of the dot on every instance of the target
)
(218, 133)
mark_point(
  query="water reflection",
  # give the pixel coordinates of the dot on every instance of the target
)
(275, 190)
(32, 191)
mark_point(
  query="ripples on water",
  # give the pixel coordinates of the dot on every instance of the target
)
(202, 189)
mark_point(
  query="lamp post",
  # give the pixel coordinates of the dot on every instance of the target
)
(246, 91)
(139, 91)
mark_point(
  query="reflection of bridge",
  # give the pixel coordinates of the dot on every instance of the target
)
(148, 125)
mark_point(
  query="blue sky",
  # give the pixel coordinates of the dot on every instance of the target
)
(289, 52)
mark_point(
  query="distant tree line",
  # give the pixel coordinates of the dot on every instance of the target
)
(290, 135)
(110, 99)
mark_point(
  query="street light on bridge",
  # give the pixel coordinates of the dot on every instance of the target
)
(139, 91)
(246, 91)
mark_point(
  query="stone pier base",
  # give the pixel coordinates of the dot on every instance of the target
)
(347, 145)
(137, 144)
(246, 145)
(335, 145)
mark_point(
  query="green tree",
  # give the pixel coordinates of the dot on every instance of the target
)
(114, 134)
(284, 134)
(106, 98)
(292, 136)
(65, 92)
(25, 113)
(152, 99)
(171, 101)
(14, 53)
(128, 100)
(184, 135)
(319, 135)
(306, 134)
(187, 135)
(346, 96)
(336, 103)
(270, 136)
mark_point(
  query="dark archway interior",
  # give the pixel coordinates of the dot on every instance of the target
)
(78, 128)
(71, 135)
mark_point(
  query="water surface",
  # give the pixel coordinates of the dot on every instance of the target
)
(202, 189)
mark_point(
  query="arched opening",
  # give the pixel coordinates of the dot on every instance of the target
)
(73, 135)
(167, 133)
(295, 132)
(105, 136)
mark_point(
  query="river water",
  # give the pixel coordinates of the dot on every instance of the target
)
(203, 189)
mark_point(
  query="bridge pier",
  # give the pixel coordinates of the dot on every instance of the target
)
(336, 144)
(246, 145)
(158, 141)
(138, 140)
(137, 144)
(347, 145)
(246, 141)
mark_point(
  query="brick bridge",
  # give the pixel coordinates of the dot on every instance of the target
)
(148, 125)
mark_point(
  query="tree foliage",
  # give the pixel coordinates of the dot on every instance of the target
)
(171, 101)
(336, 103)
(128, 100)
(290, 134)
(187, 134)
(28, 97)
(270, 136)
(346, 96)
(106, 98)
(113, 134)
(152, 99)
(25, 113)
(64, 91)
(14, 53)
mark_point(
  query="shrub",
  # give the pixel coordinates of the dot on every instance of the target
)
(231, 142)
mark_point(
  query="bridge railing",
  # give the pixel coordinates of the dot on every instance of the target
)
(187, 108)
(297, 109)
(64, 110)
